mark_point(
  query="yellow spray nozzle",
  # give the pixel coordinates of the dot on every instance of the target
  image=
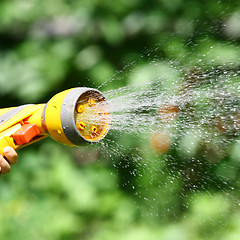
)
(71, 117)
(79, 116)
(81, 125)
(79, 108)
(91, 101)
(93, 129)
(93, 107)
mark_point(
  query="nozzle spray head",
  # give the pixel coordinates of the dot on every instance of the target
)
(76, 116)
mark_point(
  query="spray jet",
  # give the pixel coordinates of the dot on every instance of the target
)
(71, 117)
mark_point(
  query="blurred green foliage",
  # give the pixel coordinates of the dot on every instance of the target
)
(59, 193)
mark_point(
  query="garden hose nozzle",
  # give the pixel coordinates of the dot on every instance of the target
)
(71, 117)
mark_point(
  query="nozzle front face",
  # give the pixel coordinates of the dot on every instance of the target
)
(92, 116)
(77, 115)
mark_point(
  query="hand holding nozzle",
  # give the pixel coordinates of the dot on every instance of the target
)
(10, 157)
(72, 117)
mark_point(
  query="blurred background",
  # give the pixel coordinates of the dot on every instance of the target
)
(101, 192)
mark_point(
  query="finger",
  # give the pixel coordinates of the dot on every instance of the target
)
(5, 166)
(11, 155)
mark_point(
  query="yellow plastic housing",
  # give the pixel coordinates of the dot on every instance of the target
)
(71, 117)
(52, 118)
(77, 115)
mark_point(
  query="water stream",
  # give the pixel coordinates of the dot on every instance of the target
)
(180, 137)
(205, 103)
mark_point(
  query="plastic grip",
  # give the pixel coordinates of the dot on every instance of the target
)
(6, 141)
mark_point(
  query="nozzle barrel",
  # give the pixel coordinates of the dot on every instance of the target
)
(81, 115)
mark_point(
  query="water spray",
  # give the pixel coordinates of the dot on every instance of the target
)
(72, 117)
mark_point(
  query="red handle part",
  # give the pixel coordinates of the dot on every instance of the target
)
(26, 134)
